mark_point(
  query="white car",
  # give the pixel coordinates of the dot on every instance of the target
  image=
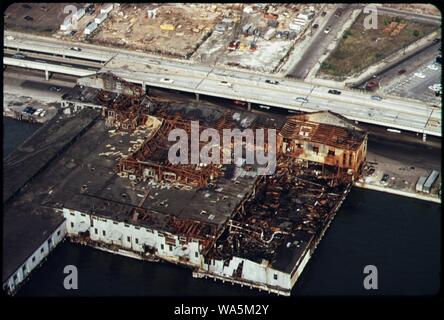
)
(38, 112)
(225, 83)
(301, 99)
(433, 67)
(327, 30)
(10, 38)
(166, 80)
(420, 75)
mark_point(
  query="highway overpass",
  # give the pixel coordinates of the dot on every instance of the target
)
(151, 71)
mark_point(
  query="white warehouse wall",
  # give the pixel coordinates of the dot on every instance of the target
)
(17, 278)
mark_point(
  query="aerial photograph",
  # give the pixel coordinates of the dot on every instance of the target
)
(272, 150)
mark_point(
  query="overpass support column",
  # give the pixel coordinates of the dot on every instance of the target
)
(249, 106)
(47, 74)
(197, 97)
(424, 137)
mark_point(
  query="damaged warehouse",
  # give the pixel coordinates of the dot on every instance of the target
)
(117, 191)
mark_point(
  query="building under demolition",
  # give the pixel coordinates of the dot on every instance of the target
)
(111, 186)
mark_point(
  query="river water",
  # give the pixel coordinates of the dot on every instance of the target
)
(398, 235)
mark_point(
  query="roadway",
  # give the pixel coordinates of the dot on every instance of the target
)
(320, 41)
(246, 86)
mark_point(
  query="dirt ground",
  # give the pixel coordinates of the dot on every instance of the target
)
(129, 26)
(46, 17)
(360, 48)
(423, 8)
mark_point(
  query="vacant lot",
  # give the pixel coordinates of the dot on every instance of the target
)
(40, 18)
(177, 30)
(360, 48)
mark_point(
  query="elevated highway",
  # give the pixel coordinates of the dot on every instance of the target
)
(151, 71)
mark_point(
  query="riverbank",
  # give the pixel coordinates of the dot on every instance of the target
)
(425, 197)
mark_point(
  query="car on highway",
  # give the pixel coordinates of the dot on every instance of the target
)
(271, 81)
(28, 18)
(402, 71)
(166, 80)
(72, 33)
(327, 30)
(315, 26)
(323, 14)
(225, 83)
(302, 99)
(334, 91)
(55, 89)
(338, 13)
(419, 75)
(432, 66)
(18, 56)
(10, 38)
(264, 107)
(377, 98)
(75, 49)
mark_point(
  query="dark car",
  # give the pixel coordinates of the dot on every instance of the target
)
(334, 91)
(323, 14)
(271, 81)
(55, 89)
(30, 110)
(338, 13)
(315, 26)
(29, 18)
(384, 179)
(402, 71)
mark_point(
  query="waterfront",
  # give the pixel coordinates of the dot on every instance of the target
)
(401, 236)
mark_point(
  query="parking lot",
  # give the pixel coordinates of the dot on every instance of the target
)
(415, 85)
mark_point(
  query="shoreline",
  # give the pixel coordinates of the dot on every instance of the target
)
(364, 185)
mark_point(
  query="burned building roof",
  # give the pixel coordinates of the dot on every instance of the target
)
(324, 128)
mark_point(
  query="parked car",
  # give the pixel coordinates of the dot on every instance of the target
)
(38, 112)
(166, 80)
(334, 91)
(10, 38)
(420, 75)
(302, 99)
(72, 33)
(432, 66)
(338, 13)
(29, 110)
(272, 81)
(384, 179)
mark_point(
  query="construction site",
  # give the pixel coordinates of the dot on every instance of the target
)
(103, 178)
